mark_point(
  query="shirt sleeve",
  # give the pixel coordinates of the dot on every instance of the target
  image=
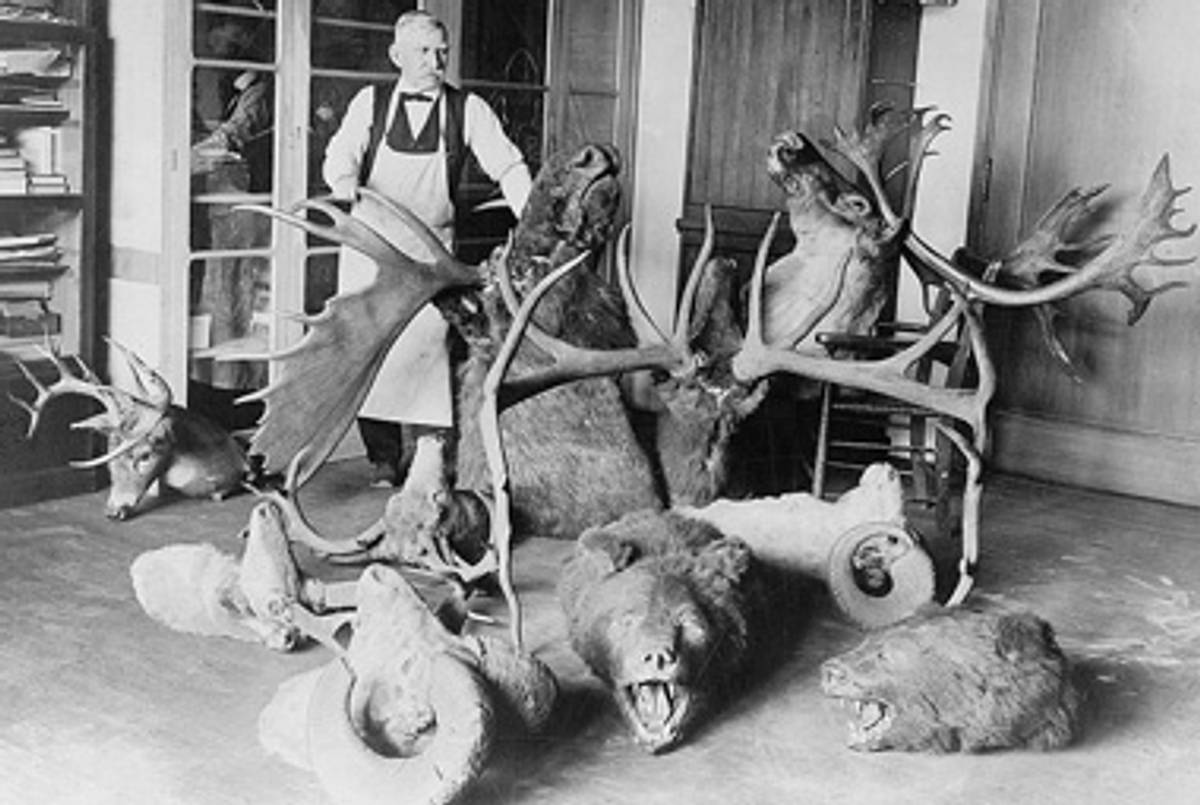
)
(497, 156)
(344, 153)
(251, 116)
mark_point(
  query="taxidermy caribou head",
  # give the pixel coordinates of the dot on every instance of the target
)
(149, 437)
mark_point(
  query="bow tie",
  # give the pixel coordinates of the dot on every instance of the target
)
(416, 96)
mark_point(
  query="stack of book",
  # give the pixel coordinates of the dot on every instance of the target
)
(29, 265)
(39, 147)
(28, 319)
(14, 180)
(47, 183)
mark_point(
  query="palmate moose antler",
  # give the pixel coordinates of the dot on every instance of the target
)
(326, 376)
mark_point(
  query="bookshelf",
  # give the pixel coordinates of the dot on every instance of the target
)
(51, 254)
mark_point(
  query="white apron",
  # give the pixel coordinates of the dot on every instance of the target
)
(413, 384)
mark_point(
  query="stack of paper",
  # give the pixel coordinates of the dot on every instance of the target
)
(29, 265)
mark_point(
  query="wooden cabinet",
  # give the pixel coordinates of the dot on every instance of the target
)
(782, 65)
(51, 200)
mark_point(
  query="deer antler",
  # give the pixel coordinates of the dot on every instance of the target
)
(125, 416)
(67, 383)
(323, 379)
(151, 385)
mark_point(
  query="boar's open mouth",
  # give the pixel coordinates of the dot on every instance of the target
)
(870, 720)
(656, 710)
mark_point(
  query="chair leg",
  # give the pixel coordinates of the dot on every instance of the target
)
(822, 452)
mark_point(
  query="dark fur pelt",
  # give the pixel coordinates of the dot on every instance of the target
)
(951, 680)
(666, 611)
(573, 458)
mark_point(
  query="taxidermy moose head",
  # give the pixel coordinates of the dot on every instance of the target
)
(149, 437)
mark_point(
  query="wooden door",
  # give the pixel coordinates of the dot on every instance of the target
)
(776, 65)
(1084, 92)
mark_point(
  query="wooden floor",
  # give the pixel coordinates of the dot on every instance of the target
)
(102, 705)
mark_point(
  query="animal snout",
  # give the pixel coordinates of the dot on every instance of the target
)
(119, 511)
(660, 658)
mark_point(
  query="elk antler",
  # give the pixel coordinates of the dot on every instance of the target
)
(125, 416)
(567, 363)
(324, 378)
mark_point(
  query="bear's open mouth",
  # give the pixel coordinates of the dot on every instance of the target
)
(870, 719)
(656, 710)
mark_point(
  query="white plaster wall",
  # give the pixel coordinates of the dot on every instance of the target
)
(663, 110)
(138, 55)
(950, 61)
(135, 305)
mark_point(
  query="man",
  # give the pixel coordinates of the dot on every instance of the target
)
(429, 124)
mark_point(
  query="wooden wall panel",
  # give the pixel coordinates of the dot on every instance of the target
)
(776, 65)
(766, 67)
(1110, 92)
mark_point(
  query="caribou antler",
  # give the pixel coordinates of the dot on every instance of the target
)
(889, 376)
(323, 379)
(1113, 257)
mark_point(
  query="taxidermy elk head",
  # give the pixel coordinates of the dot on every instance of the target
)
(149, 437)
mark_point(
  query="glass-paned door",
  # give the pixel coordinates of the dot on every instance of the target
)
(233, 82)
(269, 84)
(503, 59)
(349, 49)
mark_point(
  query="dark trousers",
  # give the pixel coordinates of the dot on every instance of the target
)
(393, 443)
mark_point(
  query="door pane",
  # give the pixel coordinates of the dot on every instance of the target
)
(233, 114)
(504, 41)
(349, 44)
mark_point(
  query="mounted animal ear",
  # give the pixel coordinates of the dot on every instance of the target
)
(723, 562)
(620, 552)
(1024, 637)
